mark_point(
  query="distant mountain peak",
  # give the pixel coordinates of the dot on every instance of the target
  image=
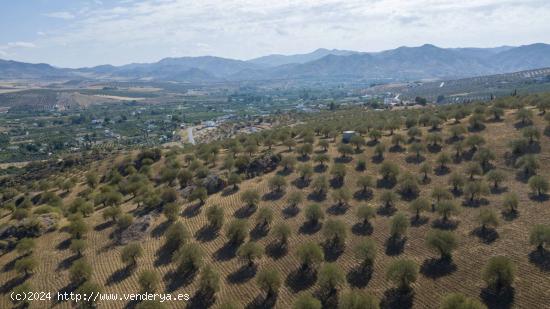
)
(405, 63)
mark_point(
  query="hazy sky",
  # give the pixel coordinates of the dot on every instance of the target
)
(73, 33)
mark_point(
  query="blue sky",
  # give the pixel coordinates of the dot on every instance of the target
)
(75, 33)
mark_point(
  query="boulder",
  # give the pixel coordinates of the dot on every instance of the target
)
(213, 183)
(137, 230)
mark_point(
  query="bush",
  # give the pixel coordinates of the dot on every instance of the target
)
(446, 209)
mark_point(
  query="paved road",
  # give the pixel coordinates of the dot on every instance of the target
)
(190, 135)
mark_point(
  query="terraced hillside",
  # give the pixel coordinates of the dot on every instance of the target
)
(396, 161)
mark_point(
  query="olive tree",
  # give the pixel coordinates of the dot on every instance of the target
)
(310, 255)
(540, 236)
(444, 242)
(250, 252)
(499, 273)
(402, 273)
(270, 281)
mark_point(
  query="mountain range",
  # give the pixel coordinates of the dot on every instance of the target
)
(400, 64)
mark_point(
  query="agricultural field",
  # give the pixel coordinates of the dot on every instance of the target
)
(417, 205)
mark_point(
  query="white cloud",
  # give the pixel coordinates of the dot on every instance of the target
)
(20, 44)
(147, 30)
(61, 15)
